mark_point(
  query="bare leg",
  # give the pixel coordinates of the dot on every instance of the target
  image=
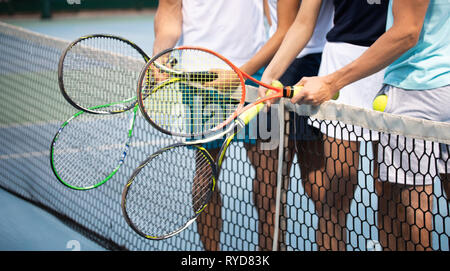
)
(265, 163)
(312, 165)
(311, 162)
(336, 192)
(405, 216)
(445, 182)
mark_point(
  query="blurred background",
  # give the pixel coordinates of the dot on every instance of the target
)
(70, 19)
(46, 8)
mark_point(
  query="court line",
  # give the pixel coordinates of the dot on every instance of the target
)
(159, 143)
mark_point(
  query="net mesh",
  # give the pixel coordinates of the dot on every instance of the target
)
(99, 70)
(321, 194)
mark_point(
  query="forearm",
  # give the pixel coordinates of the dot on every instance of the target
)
(167, 25)
(264, 55)
(383, 52)
(293, 43)
(286, 12)
(296, 39)
(403, 35)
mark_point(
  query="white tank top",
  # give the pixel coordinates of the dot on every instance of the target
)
(323, 25)
(233, 28)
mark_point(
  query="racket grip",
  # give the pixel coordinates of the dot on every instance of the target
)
(288, 91)
(249, 114)
(296, 90)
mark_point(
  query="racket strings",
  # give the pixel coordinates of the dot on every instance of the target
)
(202, 181)
(89, 148)
(194, 92)
(169, 190)
(100, 71)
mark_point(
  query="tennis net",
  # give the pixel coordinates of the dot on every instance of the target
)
(319, 194)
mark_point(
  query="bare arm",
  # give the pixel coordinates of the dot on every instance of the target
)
(286, 11)
(167, 24)
(296, 39)
(409, 16)
(267, 12)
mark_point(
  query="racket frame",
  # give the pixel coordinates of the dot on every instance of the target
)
(276, 92)
(132, 179)
(91, 109)
(215, 165)
(113, 172)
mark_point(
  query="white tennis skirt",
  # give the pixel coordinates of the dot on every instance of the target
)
(360, 93)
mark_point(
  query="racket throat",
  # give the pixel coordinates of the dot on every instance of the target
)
(239, 125)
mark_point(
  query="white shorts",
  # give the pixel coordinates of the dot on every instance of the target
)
(360, 93)
(411, 161)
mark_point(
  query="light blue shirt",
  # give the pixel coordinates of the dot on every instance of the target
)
(426, 65)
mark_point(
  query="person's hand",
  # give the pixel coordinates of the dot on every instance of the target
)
(155, 73)
(316, 90)
(227, 80)
(262, 91)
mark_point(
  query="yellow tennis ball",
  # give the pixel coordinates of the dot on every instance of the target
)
(380, 102)
(277, 84)
(336, 96)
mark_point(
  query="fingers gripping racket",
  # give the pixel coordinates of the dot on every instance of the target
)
(100, 70)
(88, 149)
(171, 188)
(208, 92)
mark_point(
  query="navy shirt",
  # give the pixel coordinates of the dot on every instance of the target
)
(358, 22)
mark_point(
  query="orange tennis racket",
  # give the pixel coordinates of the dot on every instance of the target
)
(195, 92)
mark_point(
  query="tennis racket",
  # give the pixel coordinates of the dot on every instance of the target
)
(88, 149)
(172, 187)
(206, 94)
(98, 70)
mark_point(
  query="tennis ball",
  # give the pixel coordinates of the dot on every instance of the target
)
(336, 96)
(380, 102)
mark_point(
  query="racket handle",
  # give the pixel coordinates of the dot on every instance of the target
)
(248, 115)
(289, 92)
(297, 90)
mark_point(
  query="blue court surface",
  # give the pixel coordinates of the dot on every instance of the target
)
(25, 226)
